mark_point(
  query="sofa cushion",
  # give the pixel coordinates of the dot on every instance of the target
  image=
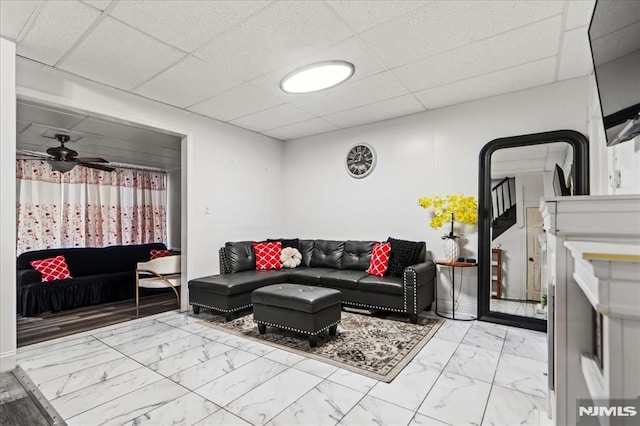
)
(268, 255)
(290, 257)
(327, 254)
(307, 276)
(240, 256)
(240, 282)
(403, 253)
(306, 250)
(342, 279)
(52, 269)
(379, 259)
(357, 255)
(387, 284)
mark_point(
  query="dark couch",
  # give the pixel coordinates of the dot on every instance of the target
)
(100, 275)
(340, 265)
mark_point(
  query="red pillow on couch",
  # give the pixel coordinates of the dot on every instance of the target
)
(53, 268)
(268, 255)
(379, 259)
(160, 253)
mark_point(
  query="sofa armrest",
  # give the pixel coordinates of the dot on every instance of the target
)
(419, 284)
(419, 274)
(27, 276)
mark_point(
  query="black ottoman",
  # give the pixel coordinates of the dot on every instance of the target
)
(305, 309)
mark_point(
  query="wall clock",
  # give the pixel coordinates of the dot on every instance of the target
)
(360, 161)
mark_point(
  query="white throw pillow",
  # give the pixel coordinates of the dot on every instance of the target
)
(290, 257)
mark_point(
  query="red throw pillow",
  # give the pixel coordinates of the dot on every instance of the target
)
(379, 259)
(160, 253)
(53, 268)
(268, 255)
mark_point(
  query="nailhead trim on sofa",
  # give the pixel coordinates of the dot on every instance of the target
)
(221, 309)
(295, 329)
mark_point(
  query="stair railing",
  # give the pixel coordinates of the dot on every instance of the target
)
(502, 197)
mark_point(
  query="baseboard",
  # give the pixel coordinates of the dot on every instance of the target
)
(7, 361)
(444, 307)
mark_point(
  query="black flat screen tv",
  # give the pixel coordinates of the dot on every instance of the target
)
(614, 37)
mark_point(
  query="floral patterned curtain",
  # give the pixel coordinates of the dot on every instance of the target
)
(87, 207)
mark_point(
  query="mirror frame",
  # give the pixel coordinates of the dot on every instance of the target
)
(580, 176)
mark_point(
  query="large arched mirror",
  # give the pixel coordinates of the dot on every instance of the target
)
(515, 173)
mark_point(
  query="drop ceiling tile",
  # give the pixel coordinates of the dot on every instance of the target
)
(362, 15)
(235, 103)
(14, 15)
(58, 26)
(519, 46)
(578, 13)
(299, 130)
(117, 55)
(441, 26)
(188, 82)
(575, 55)
(517, 78)
(21, 126)
(111, 130)
(352, 50)
(272, 118)
(99, 4)
(383, 110)
(352, 94)
(615, 14)
(277, 36)
(185, 24)
(47, 116)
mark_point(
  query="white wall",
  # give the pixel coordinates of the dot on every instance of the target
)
(7, 205)
(174, 204)
(435, 152)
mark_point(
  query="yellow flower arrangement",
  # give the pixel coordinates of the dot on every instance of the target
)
(451, 208)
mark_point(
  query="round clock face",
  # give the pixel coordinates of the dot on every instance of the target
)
(361, 160)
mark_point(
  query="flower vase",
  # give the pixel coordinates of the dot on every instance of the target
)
(451, 250)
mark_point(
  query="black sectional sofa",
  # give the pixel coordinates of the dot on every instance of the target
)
(100, 275)
(340, 265)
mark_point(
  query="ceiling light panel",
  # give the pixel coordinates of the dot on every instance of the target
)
(352, 94)
(316, 77)
(185, 24)
(58, 26)
(237, 102)
(188, 82)
(117, 55)
(365, 63)
(516, 47)
(517, 78)
(276, 37)
(441, 26)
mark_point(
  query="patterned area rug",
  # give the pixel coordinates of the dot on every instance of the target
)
(376, 346)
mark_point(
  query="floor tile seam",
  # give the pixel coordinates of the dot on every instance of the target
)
(92, 367)
(116, 326)
(142, 350)
(293, 402)
(155, 336)
(120, 395)
(65, 360)
(492, 384)
(354, 405)
(45, 343)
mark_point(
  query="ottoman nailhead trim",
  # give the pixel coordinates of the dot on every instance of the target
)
(345, 302)
(295, 329)
(221, 309)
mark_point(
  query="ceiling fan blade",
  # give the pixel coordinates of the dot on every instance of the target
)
(97, 166)
(33, 155)
(91, 160)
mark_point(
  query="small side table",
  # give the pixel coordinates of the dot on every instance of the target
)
(453, 287)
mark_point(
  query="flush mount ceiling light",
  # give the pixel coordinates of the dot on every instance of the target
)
(318, 76)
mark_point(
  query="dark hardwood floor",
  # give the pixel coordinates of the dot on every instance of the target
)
(51, 325)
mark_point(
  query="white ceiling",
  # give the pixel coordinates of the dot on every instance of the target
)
(225, 59)
(93, 136)
(541, 158)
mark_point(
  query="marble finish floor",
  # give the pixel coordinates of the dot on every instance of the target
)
(524, 308)
(170, 369)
